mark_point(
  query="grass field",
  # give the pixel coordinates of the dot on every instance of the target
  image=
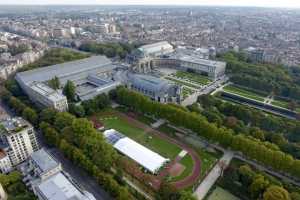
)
(197, 78)
(221, 194)
(188, 163)
(158, 145)
(244, 93)
(182, 82)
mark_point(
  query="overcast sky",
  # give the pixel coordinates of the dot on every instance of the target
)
(263, 3)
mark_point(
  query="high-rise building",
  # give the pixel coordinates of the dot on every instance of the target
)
(17, 139)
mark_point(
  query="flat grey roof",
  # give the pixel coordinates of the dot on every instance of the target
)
(44, 160)
(64, 69)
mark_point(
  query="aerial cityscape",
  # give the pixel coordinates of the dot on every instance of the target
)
(150, 101)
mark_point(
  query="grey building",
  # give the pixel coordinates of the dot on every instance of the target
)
(155, 88)
(91, 76)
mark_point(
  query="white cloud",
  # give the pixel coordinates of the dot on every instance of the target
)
(263, 3)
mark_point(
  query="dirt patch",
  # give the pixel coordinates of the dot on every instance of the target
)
(176, 169)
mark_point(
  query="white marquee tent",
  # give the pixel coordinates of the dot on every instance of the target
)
(142, 155)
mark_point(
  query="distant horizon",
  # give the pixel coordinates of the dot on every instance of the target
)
(210, 3)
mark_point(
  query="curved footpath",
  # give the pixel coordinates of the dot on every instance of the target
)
(185, 182)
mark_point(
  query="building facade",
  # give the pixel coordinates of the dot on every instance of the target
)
(17, 139)
(5, 164)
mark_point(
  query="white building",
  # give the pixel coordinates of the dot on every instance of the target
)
(17, 139)
(47, 97)
(47, 180)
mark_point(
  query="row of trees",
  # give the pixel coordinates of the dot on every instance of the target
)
(280, 131)
(253, 149)
(55, 56)
(262, 77)
(109, 49)
(246, 183)
(94, 155)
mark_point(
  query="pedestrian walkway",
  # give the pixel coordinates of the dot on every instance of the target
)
(213, 175)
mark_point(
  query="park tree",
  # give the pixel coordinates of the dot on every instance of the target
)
(62, 120)
(167, 191)
(69, 91)
(247, 175)
(258, 133)
(276, 193)
(30, 115)
(16, 105)
(258, 186)
(295, 196)
(48, 115)
(77, 110)
(54, 83)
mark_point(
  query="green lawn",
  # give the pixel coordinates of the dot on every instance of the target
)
(284, 104)
(182, 83)
(154, 143)
(197, 78)
(188, 163)
(207, 161)
(280, 103)
(221, 194)
(244, 93)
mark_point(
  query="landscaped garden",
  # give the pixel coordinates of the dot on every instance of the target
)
(286, 104)
(193, 77)
(243, 92)
(182, 83)
(186, 92)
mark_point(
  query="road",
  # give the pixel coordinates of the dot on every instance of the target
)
(213, 175)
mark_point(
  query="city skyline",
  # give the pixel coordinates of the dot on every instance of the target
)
(256, 3)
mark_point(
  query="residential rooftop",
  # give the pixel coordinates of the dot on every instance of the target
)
(58, 187)
(43, 160)
(12, 125)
